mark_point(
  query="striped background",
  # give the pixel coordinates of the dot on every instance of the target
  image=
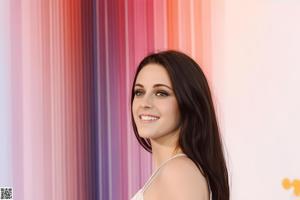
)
(66, 68)
(66, 72)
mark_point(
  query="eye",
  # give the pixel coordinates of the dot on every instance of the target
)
(162, 93)
(138, 92)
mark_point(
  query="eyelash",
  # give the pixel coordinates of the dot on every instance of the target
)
(164, 94)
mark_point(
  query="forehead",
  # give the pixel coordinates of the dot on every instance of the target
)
(152, 74)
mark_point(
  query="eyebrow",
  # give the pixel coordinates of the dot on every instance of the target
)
(156, 85)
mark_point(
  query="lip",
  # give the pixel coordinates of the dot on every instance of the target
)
(150, 115)
(148, 121)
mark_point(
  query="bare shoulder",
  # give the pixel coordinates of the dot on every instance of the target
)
(181, 179)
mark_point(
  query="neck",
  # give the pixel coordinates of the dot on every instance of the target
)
(161, 151)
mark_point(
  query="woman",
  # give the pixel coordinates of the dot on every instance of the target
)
(174, 119)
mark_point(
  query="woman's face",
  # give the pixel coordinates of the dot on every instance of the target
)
(155, 108)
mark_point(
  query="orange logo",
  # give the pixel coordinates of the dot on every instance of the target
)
(295, 185)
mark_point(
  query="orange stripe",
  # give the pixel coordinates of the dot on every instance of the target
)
(172, 14)
(203, 35)
(184, 30)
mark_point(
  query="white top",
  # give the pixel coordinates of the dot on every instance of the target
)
(140, 193)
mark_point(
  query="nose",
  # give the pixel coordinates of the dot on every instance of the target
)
(147, 101)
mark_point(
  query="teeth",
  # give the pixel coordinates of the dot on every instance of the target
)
(148, 118)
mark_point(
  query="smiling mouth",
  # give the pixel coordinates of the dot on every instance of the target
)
(148, 118)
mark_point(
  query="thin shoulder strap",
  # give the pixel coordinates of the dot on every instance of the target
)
(152, 177)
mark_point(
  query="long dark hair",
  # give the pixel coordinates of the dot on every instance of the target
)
(199, 136)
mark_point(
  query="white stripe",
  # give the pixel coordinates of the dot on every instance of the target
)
(98, 97)
(127, 102)
(108, 103)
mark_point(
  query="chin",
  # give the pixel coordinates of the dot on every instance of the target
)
(147, 135)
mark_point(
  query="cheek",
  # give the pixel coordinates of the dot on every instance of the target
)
(134, 104)
(134, 108)
(170, 108)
